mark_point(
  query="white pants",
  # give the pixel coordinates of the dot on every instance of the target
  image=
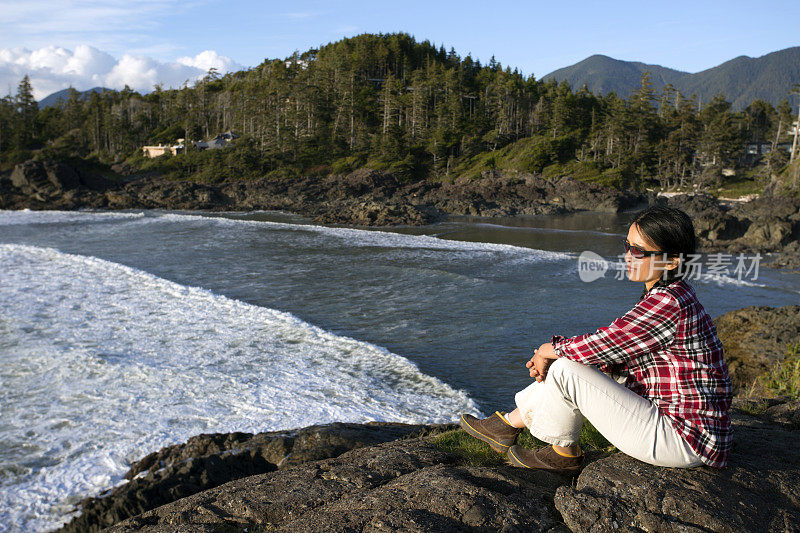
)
(554, 410)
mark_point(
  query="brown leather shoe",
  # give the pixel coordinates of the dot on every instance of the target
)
(545, 458)
(495, 430)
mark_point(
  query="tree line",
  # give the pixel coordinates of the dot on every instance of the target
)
(388, 101)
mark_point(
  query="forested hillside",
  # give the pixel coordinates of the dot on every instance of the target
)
(389, 102)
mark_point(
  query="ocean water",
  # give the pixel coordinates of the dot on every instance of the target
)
(124, 332)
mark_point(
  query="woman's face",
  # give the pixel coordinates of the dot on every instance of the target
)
(650, 268)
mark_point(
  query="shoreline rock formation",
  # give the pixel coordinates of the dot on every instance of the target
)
(208, 460)
(770, 329)
(411, 484)
(386, 476)
(375, 198)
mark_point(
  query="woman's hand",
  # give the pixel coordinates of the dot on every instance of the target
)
(542, 358)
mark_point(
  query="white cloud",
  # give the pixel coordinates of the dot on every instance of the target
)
(209, 59)
(54, 68)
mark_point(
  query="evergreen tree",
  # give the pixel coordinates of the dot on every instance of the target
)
(26, 110)
(7, 119)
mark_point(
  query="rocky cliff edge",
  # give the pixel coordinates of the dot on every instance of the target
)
(414, 484)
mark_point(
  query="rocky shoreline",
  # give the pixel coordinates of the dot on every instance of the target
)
(388, 477)
(769, 225)
(209, 460)
(392, 477)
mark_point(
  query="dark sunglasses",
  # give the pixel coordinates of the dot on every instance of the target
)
(637, 252)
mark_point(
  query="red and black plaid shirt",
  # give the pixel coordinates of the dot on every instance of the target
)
(669, 346)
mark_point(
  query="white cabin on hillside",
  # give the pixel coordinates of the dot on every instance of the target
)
(161, 149)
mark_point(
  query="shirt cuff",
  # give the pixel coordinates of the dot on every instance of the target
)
(557, 341)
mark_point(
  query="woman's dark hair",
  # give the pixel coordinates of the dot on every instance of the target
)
(671, 231)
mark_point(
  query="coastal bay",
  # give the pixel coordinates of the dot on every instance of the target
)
(265, 317)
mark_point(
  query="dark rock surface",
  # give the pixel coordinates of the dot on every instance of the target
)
(50, 185)
(779, 410)
(765, 225)
(756, 338)
(373, 213)
(364, 197)
(758, 491)
(787, 259)
(411, 485)
(44, 177)
(206, 461)
(400, 486)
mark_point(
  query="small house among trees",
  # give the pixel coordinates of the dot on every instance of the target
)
(220, 141)
(756, 149)
(161, 149)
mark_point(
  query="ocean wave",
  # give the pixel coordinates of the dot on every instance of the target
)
(545, 230)
(26, 216)
(103, 363)
(353, 237)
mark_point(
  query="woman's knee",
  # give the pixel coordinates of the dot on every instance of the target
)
(570, 377)
(563, 368)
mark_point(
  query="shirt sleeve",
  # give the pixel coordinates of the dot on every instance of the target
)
(651, 325)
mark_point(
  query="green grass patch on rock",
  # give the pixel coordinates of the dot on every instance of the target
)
(783, 379)
(475, 452)
(527, 155)
(743, 184)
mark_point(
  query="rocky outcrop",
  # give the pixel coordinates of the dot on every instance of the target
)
(206, 461)
(788, 258)
(497, 195)
(46, 182)
(405, 486)
(49, 185)
(374, 198)
(758, 491)
(365, 197)
(782, 411)
(765, 225)
(413, 485)
(378, 214)
(46, 178)
(756, 338)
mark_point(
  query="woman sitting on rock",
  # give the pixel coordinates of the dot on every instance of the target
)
(672, 409)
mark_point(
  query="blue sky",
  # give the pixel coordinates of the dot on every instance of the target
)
(537, 37)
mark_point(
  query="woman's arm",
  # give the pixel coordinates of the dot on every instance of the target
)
(651, 325)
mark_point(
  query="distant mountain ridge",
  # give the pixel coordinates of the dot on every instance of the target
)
(741, 80)
(52, 99)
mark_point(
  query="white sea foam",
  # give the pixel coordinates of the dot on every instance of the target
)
(352, 237)
(347, 237)
(722, 279)
(26, 216)
(102, 363)
(545, 230)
